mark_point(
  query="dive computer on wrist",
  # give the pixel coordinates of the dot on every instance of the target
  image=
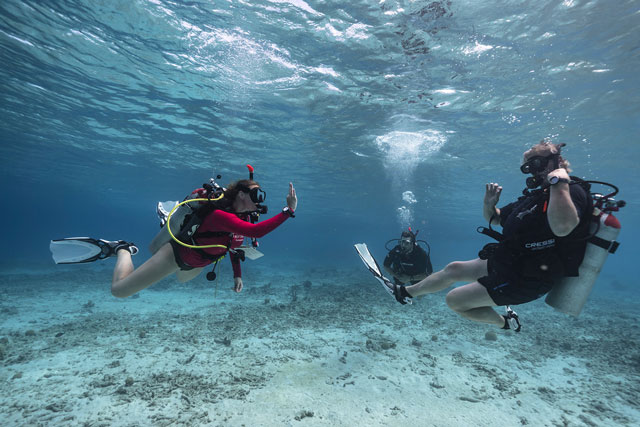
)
(556, 180)
(288, 211)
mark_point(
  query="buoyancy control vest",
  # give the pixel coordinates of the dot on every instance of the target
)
(600, 229)
(190, 232)
(528, 243)
(186, 219)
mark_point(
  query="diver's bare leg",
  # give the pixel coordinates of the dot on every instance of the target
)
(457, 271)
(186, 275)
(473, 302)
(127, 281)
(124, 265)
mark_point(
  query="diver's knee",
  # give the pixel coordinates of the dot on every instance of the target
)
(454, 269)
(453, 300)
(118, 292)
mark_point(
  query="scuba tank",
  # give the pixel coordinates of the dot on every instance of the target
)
(184, 212)
(570, 294)
(180, 221)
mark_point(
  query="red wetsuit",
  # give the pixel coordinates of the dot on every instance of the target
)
(225, 222)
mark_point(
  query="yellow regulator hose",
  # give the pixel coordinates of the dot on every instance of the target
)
(181, 242)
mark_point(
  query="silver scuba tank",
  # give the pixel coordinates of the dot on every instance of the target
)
(177, 218)
(163, 237)
(571, 293)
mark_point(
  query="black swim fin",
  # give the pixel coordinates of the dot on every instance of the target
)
(76, 250)
(372, 265)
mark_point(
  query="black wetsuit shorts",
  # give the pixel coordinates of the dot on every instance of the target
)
(176, 254)
(505, 286)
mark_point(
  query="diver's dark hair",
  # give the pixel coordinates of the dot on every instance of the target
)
(232, 191)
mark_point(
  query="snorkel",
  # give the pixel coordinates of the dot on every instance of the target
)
(257, 197)
(408, 241)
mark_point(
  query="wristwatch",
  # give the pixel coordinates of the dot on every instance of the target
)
(288, 211)
(555, 180)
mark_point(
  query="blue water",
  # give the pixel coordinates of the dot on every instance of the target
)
(108, 107)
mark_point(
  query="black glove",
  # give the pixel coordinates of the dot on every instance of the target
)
(400, 292)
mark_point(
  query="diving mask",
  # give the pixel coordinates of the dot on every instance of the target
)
(257, 194)
(536, 164)
(406, 244)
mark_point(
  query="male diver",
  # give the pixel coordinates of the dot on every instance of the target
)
(407, 262)
(543, 240)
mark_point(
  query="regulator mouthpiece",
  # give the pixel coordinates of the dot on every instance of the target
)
(534, 182)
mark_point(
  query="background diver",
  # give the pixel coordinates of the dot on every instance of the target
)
(407, 262)
(221, 231)
(544, 239)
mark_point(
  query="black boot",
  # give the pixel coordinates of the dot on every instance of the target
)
(401, 294)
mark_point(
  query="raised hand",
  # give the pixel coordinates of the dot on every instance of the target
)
(492, 194)
(292, 199)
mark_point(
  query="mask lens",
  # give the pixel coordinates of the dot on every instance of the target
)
(257, 195)
(534, 165)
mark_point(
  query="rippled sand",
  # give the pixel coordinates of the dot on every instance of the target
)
(322, 347)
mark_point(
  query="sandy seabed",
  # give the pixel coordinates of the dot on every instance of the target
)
(321, 347)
